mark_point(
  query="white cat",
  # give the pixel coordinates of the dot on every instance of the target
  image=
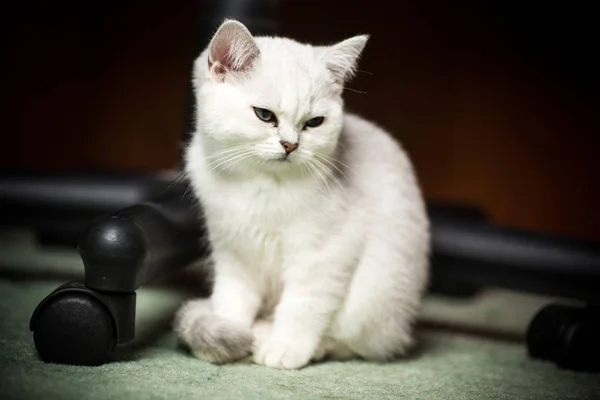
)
(317, 224)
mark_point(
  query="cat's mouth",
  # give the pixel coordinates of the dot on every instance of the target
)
(281, 158)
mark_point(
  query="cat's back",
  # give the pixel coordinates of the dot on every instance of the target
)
(392, 208)
(373, 153)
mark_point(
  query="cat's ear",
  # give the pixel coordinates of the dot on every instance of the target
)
(232, 49)
(342, 58)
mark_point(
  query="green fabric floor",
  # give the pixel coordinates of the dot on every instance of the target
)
(457, 363)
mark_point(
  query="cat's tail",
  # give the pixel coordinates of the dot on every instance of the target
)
(209, 336)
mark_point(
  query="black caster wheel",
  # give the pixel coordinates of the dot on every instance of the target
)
(75, 325)
(567, 336)
(80, 324)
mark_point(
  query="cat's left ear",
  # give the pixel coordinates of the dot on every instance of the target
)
(342, 58)
(232, 49)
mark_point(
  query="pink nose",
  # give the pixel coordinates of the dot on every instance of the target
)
(289, 147)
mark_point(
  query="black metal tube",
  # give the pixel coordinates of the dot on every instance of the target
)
(477, 252)
(141, 243)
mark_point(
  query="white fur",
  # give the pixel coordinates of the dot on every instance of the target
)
(332, 244)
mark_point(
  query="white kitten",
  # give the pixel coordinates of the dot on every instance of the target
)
(318, 228)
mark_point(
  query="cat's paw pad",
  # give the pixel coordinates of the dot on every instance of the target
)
(283, 354)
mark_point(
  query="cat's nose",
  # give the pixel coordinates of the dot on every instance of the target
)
(289, 147)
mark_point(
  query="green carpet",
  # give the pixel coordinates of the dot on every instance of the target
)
(456, 363)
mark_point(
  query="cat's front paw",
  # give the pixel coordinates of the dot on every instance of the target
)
(211, 337)
(284, 353)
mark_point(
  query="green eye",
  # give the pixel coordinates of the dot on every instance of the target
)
(265, 115)
(314, 122)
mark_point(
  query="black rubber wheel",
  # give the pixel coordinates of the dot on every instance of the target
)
(74, 328)
(567, 336)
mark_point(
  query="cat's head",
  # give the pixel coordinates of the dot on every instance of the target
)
(270, 104)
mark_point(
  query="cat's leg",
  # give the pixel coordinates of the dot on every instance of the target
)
(332, 349)
(328, 348)
(377, 317)
(261, 331)
(219, 329)
(300, 320)
(313, 291)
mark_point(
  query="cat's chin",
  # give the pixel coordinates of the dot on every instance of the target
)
(278, 160)
(278, 164)
(281, 165)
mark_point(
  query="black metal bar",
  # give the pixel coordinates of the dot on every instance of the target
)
(476, 252)
(141, 243)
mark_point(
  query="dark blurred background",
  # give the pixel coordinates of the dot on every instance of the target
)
(496, 101)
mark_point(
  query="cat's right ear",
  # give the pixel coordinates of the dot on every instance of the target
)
(231, 50)
(341, 59)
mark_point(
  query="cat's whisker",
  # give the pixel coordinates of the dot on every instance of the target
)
(241, 159)
(189, 185)
(329, 162)
(327, 173)
(315, 175)
(354, 90)
(304, 168)
(309, 169)
(255, 164)
(182, 174)
(227, 150)
(223, 162)
(231, 161)
(336, 161)
(319, 173)
(228, 155)
(224, 165)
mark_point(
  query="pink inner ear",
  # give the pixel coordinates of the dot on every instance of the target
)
(219, 59)
(217, 70)
(219, 53)
(231, 50)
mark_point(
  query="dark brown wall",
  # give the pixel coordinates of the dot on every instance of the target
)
(99, 86)
(491, 102)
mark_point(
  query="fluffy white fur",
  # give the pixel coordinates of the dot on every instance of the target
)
(323, 253)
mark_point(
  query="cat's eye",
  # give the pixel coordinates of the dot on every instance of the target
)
(265, 115)
(314, 122)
